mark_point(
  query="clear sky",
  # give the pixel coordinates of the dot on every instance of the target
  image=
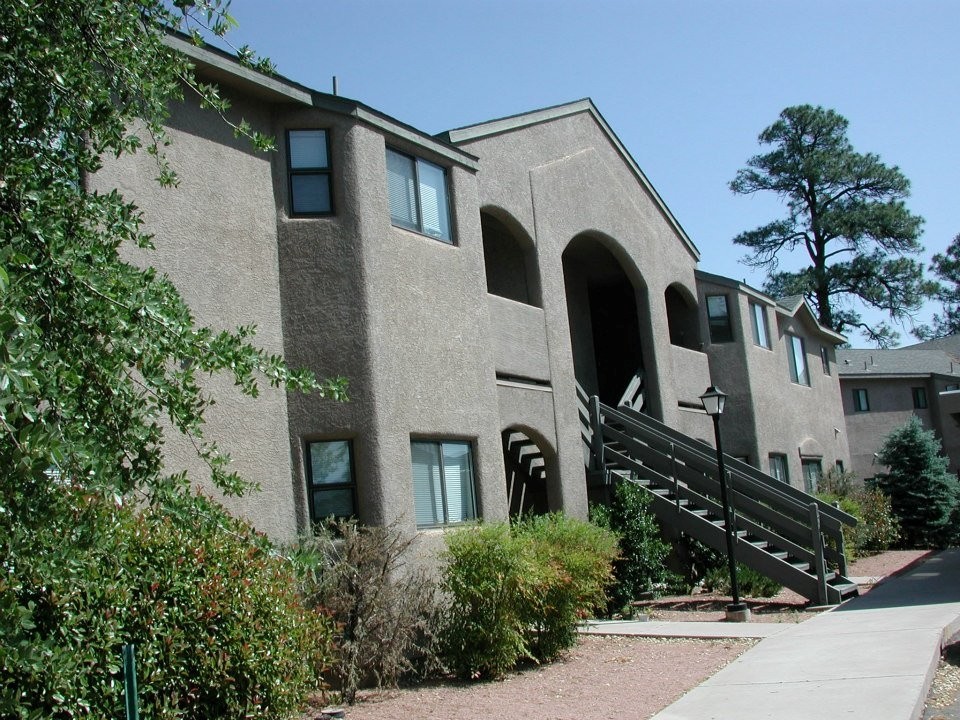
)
(686, 85)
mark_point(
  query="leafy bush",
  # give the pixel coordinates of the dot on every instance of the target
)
(643, 551)
(572, 569)
(751, 582)
(877, 528)
(386, 613)
(219, 629)
(520, 593)
(923, 495)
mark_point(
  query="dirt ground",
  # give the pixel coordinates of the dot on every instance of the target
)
(607, 677)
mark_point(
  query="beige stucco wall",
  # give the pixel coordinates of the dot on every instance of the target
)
(766, 412)
(215, 237)
(561, 179)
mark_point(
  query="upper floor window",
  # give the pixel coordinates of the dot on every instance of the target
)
(308, 160)
(919, 398)
(812, 474)
(758, 316)
(330, 479)
(825, 359)
(718, 317)
(797, 355)
(443, 490)
(778, 467)
(417, 190)
(861, 401)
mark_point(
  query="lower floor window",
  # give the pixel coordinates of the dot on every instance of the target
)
(778, 467)
(330, 481)
(812, 472)
(443, 490)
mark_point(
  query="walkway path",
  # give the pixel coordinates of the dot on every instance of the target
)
(873, 657)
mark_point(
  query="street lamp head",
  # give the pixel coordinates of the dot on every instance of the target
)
(713, 400)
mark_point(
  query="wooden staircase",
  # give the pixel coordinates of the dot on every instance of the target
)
(782, 532)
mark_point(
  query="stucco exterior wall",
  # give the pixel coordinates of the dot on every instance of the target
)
(562, 179)
(216, 238)
(766, 412)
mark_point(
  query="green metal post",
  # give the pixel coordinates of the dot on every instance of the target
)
(130, 682)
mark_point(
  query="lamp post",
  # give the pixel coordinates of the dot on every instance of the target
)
(713, 401)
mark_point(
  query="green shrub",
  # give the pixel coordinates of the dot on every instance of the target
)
(521, 593)
(877, 528)
(923, 495)
(219, 629)
(487, 580)
(386, 613)
(751, 582)
(641, 565)
(572, 566)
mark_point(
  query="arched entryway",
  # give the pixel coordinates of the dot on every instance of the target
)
(605, 308)
(527, 462)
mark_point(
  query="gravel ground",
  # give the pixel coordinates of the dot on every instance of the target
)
(612, 677)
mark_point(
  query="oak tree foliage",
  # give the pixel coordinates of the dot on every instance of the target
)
(96, 353)
(846, 212)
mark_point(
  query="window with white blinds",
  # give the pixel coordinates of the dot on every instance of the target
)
(330, 479)
(308, 160)
(443, 491)
(417, 191)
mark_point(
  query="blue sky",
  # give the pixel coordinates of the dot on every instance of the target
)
(686, 85)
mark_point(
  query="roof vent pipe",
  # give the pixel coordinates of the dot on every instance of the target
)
(335, 88)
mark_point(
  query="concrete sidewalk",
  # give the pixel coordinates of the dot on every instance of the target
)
(873, 657)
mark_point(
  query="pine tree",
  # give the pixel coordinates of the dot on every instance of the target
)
(922, 493)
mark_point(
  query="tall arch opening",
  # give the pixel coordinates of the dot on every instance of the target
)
(529, 465)
(605, 308)
(509, 258)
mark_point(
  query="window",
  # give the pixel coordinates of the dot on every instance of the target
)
(418, 195)
(797, 355)
(825, 359)
(812, 472)
(951, 388)
(861, 403)
(718, 317)
(919, 398)
(443, 490)
(309, 172)
(758, 315)
(330, 479)
(839, 466)
(778, 467)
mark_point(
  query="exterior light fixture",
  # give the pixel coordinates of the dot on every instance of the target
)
(713, 401)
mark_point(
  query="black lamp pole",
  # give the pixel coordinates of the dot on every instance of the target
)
(713, 401)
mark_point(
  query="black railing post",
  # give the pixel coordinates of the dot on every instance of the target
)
(596, 442)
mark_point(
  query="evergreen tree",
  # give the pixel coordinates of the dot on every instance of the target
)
(846, 212)
(923, 495)
(946, 266)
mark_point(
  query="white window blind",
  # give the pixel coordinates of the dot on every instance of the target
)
(401, 190)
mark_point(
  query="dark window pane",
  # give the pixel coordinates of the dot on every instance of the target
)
(311, 193)
(337, 502)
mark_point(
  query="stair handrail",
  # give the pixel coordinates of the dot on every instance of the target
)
(797, 499)
(634, 391)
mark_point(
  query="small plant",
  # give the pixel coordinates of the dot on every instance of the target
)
(520, 592)
(385, 612)
(877, 528)
(641, 565)
(751, 582)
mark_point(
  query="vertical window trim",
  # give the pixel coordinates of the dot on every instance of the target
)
(720, 333)
(326, 171)
(418, 227)
(311, 486)
(795, 343)
(825, 359)
(761, 331)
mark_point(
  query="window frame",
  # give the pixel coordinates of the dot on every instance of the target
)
(325, 171)
(919, 398)
(825, 360)
(780, 458)
(861, 400)
(720, 327)
(418, 226)
(473, 512)
(314, 487)
(758, 321)
(810, 484)
(794, 343)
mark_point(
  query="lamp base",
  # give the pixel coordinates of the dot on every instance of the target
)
(738, 612)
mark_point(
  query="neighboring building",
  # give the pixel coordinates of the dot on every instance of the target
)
(778, 364)
(883, 388)
(465, 284)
